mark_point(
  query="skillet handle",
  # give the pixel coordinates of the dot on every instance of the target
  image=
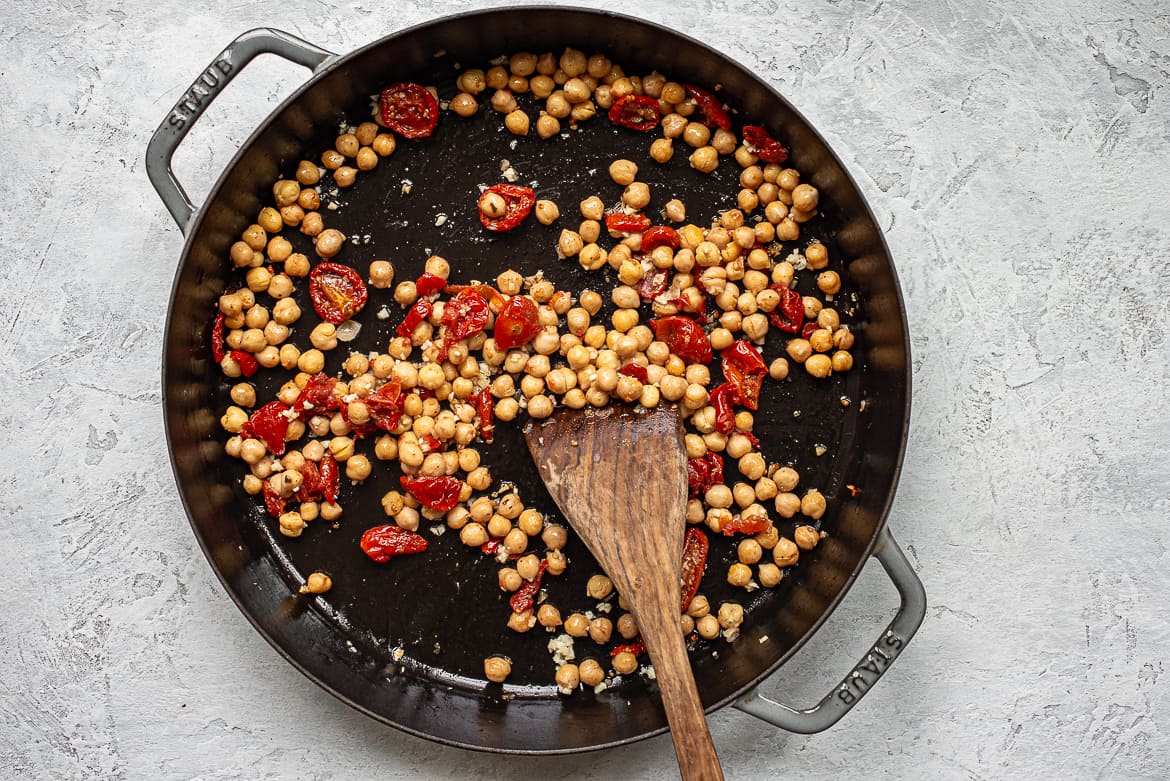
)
(865, 673)
(199, 96)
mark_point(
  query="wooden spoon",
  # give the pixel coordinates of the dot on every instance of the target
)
(620, 478)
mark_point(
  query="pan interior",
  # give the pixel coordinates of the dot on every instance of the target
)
(391, 638)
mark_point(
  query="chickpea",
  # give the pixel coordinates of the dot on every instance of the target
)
(599, 587)
(547, 212)
(329, 242)
(708, 626)
(739, 575)
(636, 195)
(384, 144)
(624, 662)
(600, 630)
(749, 551)
(568, 677)
(675, 210)
(662, 150)
(517, 122)
(554, 537)
(591, 673)
(577, 625)
(829, 282)
(804, 197)
(324, 336)
(464, 104)
(244, 395)
(697, 134)
(819, 365)
(497, 668)
(547, 615)
(345, 176)
(704, 159)
(623, 172)
(786, 553)
(730, 614)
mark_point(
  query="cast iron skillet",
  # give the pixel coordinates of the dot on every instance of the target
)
(404, 642)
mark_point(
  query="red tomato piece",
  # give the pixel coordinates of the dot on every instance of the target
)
(246, 361)
(438, 493)
(738, 525)
(694, 561)
(417, 313)
(620, 222)
(311, 485)
(429, 284)
(525, 596)
(464, 316)
(217, 350)
(385, 406)
(654, 283)
(490, 294)
(635, 371)
(636, 112)
(766, 148)
(684, 337)
(703, 473)
(658, 236)
(710, 106)
(330, 478)
(485, 406)
(744, 369)
(338, 292)
(381, 543)
(637, 648)
(518, 203)
(517, 324)
(317, 396)
(809, 327)
(274, 503)
(268, 424)
(723, 399)
(409, 109)
(789, 314)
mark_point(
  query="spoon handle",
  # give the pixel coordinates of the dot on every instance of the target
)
(697, 759)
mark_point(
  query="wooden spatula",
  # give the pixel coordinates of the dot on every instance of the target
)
(620, 478)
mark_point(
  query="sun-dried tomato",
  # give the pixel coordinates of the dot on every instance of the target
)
(809, 327)
(737, 524)
(637, 648)
(492, 546)
(337, 292)
(485, 405)
(620, 222)
(385, 406)
(317, 396)
(429, 443)
(464, 316)
(517, 324)
(490, 294)
(744, 369)
(659, 236)
(357, 430)
(525, 596)
(274, 503)
(429, 284)
(694, 561)
(438, 493)
(789, 313)
(416, 314)
(518, 202)
(765, 147)
(381, 543)
(653, 284)
(268, 424)
(311, 485)
(722, 399)
(703, 473)
(635, 371)
(710, 106)
(751, 438)
(409, 109)
(684, 337)
(636, 112)
(246, 361)
(330, 478)
(217, 351)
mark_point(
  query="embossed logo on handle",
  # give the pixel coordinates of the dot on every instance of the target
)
(867, 672)
(211, 81)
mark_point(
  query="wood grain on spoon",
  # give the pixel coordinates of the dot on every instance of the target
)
(620, 478)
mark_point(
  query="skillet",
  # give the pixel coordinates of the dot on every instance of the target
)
(404, 644)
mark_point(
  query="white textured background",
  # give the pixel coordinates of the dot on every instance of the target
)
(1017, 156)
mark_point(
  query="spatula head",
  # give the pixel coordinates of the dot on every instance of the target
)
(620, 478)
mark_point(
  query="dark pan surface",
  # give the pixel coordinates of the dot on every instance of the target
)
(405, 641)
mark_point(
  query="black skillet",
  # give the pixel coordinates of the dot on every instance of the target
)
(404, 642)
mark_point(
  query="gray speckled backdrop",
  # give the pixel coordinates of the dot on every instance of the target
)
(1016, 155)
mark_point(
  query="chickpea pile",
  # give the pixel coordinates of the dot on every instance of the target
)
(576, 359)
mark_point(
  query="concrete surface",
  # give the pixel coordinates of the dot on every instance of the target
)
(1017, 156)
